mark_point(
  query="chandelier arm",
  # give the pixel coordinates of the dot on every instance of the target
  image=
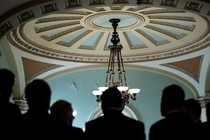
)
(108, 78)
(125, 82)
(109, 63)
(119, 68)
(133, 96)
(122, 61)
(112, 67)
(123, 70)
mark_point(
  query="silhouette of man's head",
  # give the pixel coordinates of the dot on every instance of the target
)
(192, 109)
(172, 98)
(37, 94)
(111, 98)
(62, 110)
(7, 80)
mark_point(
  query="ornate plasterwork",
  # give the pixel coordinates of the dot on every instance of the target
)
(5, 28)
(189, 28)
(191, 67)
(81, 34)
(171, 34)
(185, 18)
(51, 19)
(167, 10)
(42, 29)
(49, 38)
(23, 105)
(203, 101)
(32, 72)
(150, 38)
(75, 57)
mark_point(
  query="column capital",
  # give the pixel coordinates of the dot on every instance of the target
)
(23, 105)
(203, 101)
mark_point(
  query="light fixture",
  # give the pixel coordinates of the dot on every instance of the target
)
(116, 74)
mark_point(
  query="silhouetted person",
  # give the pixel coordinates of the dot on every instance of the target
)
(113, 124)
(192, 110)
(206, 124)
(36, 122)
(62, 114)
(9, 112)
(174, 125)
(138, 2)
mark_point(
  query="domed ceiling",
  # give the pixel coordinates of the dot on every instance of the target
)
(84, 34)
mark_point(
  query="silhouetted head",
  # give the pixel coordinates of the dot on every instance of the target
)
(62, 110)
(173, 97)
(192, 109)
(138, 2)
(37, 94)
(7, 80)
(111, 98)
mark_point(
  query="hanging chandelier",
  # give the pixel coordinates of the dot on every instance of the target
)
(116, 74)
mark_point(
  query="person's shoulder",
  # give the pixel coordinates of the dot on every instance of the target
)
(129, 118)
(96, 121)
(77, 129)
(133, 121)
(10, 105)
(159, 123)
(206, 125)
(13, 108)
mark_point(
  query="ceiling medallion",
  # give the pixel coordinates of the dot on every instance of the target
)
(100, 21)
